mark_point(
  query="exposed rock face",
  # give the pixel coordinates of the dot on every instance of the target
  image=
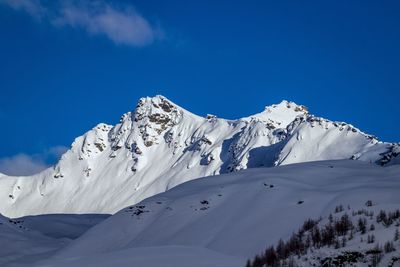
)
(150, 119)
(154, 116)
(391, 155)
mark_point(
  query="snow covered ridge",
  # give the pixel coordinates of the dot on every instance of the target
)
(160, 145)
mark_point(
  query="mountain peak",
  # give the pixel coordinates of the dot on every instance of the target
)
(289, 105)
(157, 109)
(153, 115)
(158, 103)
(280, 115)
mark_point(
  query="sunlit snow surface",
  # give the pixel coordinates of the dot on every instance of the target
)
(216, 221)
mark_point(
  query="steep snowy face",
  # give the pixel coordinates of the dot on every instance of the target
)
(311, 138)
(158, 125)
(160, 145)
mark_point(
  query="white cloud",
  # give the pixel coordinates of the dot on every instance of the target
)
(122, 24)
(23, 164)
(55, 151)
(32, 7)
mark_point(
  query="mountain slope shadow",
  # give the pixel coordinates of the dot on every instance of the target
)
(264, 156)
(226, 155)
(32, 238)
(58, 226)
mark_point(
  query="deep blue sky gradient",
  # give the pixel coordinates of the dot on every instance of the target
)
(229, 58)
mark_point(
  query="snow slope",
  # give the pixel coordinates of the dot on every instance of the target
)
(28, 239)
(19, 243)
(224, 220)
(160, 145)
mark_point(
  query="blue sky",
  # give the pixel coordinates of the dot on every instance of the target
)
(67, 65)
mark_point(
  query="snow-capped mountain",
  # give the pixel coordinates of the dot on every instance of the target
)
(227, 219)
(160, 145)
